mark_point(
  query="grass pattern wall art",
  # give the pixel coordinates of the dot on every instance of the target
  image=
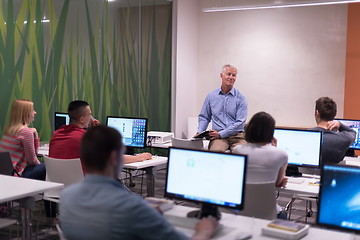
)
(116, 58)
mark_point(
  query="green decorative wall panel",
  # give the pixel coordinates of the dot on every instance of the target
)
(117, 58)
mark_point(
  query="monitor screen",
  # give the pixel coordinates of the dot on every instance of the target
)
(302, 146)
(60, 120)
(133, 130)
(355, 125)
(339, 199)
(206, 177)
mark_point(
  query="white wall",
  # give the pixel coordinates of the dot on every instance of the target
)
(287, 58)
(185, 52)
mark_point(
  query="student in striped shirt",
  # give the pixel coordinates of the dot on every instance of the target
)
(22, 142)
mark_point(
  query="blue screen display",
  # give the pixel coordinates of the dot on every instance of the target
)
(133, 130)
(355, 125)
(339, 204)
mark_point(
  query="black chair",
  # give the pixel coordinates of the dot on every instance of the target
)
(6, 167)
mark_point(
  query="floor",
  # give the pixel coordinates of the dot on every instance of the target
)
(47, 230)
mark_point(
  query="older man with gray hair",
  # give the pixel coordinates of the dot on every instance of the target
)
(227, 109)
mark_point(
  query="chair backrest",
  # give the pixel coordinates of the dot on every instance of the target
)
(260, 200)
(186, 143)
(66, 171)
(6, 167)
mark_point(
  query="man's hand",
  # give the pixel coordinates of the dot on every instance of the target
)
(333, 125)
(205, 228)
(214, 135)
(94, 122)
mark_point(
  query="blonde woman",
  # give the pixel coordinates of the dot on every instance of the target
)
(22, 142)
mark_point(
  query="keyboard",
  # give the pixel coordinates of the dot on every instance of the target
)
(183, 222)
(188, 223)
(295, 180)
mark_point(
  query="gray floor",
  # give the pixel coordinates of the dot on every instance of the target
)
(46, 229)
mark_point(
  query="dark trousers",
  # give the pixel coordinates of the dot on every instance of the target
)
(37, 172)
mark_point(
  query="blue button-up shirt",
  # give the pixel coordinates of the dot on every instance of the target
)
(227, 112)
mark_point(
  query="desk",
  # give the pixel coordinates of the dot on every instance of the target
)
(150, 168)
(43, 151)
(235, 224)
(352, 161)
(169, 144)
(303, 188)
(13, 188)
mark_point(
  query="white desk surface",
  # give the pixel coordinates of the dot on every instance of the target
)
(160, 145)
(155, 161)
(352, 161)
(44, 150)
(234, 224)
(12, 188)
(306, 187)
(169, 144)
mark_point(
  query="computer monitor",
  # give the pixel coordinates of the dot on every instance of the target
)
(302, 146)
(355, 125)
(339, 199)
(133, 130)
(61, 119)
(210, 178)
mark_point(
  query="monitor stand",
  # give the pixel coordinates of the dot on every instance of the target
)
(293, 171)
(205, 211)
(130, 151)
(350, 153)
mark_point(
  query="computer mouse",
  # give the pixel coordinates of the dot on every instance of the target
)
(242, 236)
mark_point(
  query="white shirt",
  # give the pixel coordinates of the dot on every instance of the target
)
(264, 162)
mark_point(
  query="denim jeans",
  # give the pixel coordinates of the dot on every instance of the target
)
(37, 172)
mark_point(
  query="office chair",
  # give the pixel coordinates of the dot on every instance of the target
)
(6, 166)
(260, 200)
(66, 171)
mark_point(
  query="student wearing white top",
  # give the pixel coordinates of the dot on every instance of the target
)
(266, 163)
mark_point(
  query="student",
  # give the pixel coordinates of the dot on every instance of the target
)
(22, 142)
(227, 109)
(266, 163)
(337, 136)
(101, 208)
(65, 142)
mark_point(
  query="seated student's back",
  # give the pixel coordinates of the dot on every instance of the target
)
(264, 162)
(101, 208)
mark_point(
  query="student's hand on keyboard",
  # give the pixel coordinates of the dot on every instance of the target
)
(205, 228)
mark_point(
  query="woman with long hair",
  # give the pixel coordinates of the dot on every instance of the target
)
(22, 142)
